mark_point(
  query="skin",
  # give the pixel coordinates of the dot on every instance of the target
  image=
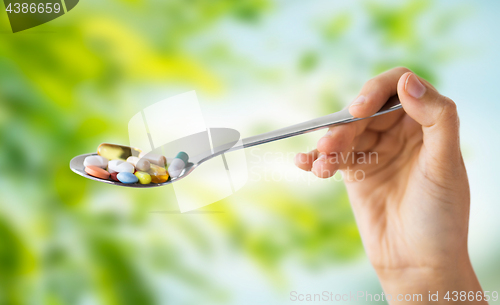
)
(412, 207)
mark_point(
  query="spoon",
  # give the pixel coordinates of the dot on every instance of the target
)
(337, 118)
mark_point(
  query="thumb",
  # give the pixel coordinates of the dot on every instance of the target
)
(436, 113)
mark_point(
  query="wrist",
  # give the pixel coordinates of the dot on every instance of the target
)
(423, 281)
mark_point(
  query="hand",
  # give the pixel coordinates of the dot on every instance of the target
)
(411, 199)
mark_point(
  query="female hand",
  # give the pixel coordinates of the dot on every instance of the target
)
(412, 204)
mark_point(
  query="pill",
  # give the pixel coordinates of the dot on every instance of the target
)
(113, 176)
(96, 172)
(140, 164)
(143, 165)
(132, 160)
(95, 161)
(158, 174)
(144, 178)
(113, 151)
(177, 165)
(126, 177)
(154, 158)
(118, 166)
(112, 164)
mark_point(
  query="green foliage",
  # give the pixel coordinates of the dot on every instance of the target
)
(63, 90)
(308, 61)
(336, 27)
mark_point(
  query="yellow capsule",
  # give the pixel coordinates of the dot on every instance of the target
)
(113, 151)
(158, 174)
(144, 178)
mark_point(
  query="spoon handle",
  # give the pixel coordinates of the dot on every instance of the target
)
(337, 118)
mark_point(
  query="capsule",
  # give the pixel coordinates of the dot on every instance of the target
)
(158, 174)
(177, 165)
(154, 158)
(114, 152)
(140, 164)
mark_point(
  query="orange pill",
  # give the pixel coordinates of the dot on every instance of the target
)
(97, 172)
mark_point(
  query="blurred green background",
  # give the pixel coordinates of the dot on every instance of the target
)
(73, 83)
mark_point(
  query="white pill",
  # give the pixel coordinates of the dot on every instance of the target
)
(132, 160)
(95, 161)
(112, 164)
(118, 166)
(140, 164)
(154, 158)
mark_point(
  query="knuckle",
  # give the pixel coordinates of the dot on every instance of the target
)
(449, 110)
(449, 105)
(372, 82)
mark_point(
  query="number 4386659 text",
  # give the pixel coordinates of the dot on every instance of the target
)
(26, 8)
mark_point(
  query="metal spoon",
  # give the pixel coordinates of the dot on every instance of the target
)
(337, 118)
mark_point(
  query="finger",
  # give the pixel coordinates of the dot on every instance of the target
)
(339, 138)
(436, 114)
(337, 141)
(346, 154)
(366, 141)
(325, 166)
(386, 121)
(347, 157)
(376, 92)
(304, 161)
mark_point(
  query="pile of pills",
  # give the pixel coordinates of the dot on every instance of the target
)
(130, 165)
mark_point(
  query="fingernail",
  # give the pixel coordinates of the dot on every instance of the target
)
(360, 100)
(414, 87)
(321, 159)
(329, 133)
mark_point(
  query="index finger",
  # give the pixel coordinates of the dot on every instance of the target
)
(376, 92)
(372, 97)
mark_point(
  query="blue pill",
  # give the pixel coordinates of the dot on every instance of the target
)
(126, 177)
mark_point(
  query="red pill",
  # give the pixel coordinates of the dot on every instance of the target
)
(113, 176)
